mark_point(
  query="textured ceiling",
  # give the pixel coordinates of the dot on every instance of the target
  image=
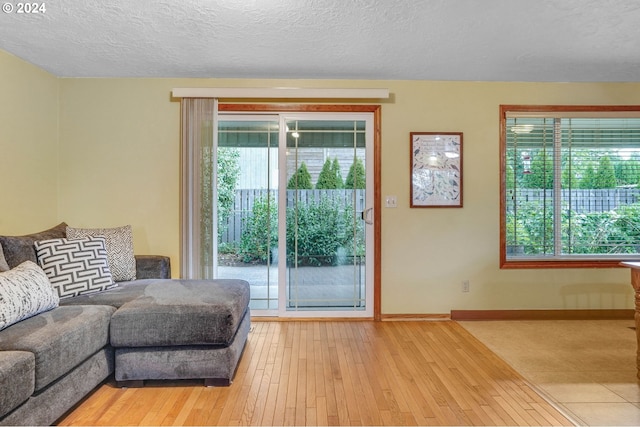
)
(493, 40)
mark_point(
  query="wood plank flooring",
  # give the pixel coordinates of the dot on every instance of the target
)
(339, 373)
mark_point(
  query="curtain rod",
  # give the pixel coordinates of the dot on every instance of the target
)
(279, 93)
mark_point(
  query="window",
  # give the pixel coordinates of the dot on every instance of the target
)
(570, 186)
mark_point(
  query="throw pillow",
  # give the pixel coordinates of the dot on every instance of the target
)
(75, 267)
(122, 261)
(3, 262)
(18, 249)
(24, 292)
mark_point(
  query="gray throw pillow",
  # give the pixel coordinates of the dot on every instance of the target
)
(122, 261)
(18, 249)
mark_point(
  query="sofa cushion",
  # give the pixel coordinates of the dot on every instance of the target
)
(3, 262)
(17, 379)
(60, 339)
(18, 249)
(119, 240)
(75, 267)
(182, 312)
(24, 292)
(125, 292)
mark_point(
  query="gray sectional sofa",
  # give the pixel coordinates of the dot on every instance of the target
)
(150, 328)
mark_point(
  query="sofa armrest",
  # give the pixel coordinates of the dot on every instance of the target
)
(153, 267)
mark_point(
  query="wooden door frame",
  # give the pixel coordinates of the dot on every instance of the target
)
(377, 163)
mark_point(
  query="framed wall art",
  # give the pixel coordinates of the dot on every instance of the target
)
(436, 169)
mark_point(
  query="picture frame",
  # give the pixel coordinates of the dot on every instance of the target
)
(436, 169)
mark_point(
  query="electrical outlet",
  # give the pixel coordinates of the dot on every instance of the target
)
(465, 286)
(391, 202)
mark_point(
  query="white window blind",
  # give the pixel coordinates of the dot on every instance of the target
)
(571, 186)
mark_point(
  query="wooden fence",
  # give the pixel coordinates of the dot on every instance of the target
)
(586, 201)
(582, 201)
(245, 199)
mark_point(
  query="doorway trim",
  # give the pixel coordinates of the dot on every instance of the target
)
(377, 174)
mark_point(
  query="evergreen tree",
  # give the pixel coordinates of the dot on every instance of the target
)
(301, 179)
(335, 167)
(627, 172)
(589, 178)
(623, 172)
(356, 177)
(633, 172)
(330, 177)
(541, 175)
(606, 176)
(326, 179)
(569, 178)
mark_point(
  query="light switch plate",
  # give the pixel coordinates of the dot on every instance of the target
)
(391, 202)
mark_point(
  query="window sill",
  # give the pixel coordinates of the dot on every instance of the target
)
(530, 264)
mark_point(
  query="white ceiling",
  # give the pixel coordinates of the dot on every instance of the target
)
(490, 40)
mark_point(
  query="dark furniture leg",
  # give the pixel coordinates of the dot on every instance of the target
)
(130, 384)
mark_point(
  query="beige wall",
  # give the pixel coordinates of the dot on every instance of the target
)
(428, 252)
(119, 164)
(28, 147)
(120, 159)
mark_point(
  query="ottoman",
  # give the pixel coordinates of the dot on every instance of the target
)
(191, 329)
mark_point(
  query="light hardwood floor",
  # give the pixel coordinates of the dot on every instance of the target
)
(339, 373)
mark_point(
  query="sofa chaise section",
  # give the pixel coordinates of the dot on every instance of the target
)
(176, 329)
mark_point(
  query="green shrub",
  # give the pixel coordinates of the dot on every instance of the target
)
(586, 233)
(228, 174)
(591, 233)
(260, 231)
(319, 233)
(541, 173)
(354, 234)
(627, 224)
(535, 228)
(227, 248)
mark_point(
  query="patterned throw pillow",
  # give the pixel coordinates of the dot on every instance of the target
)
(75, 267)
(122, 261)
(24, 292)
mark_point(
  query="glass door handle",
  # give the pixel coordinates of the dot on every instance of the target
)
(365, 216)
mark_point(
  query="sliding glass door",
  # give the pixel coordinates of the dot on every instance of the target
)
(247, 207)
(293, 211)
